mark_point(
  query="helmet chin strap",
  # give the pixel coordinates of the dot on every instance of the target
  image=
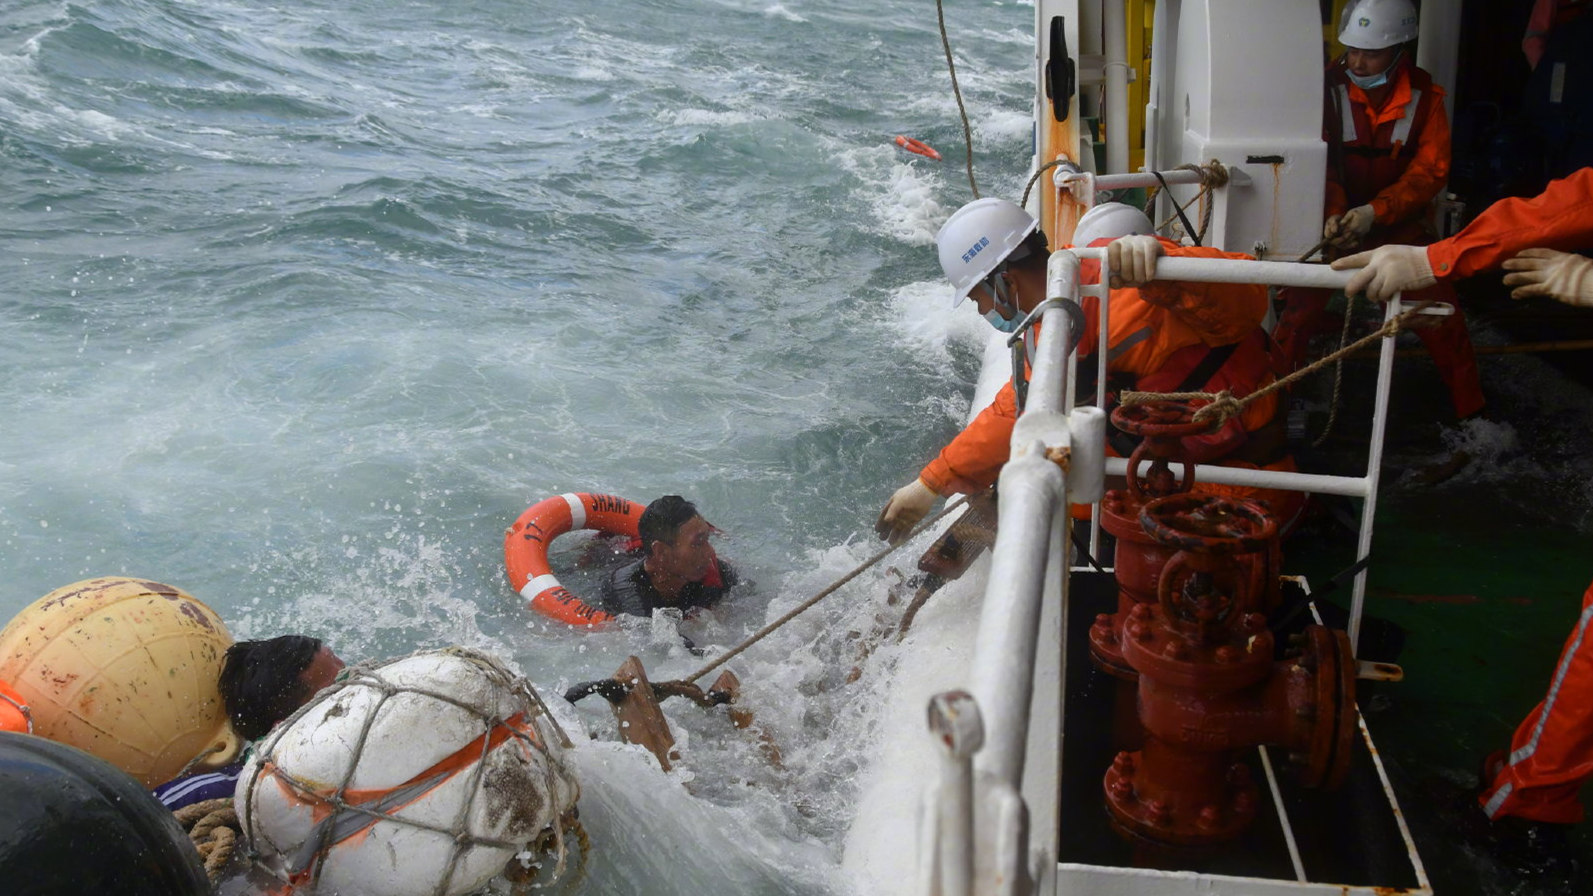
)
(1001, 294)
(1003, 314)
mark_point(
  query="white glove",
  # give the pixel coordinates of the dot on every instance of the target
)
(1347, 230)
(1387, 270)
(1133, 259)
(1558, 275)
(903, 511)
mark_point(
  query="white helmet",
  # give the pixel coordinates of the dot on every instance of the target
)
(1377, 24)
(1110, 220)
(977, 238)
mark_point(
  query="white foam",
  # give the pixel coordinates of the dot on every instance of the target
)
(781, 11)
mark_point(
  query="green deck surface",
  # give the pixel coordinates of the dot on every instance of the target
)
(1484, 577)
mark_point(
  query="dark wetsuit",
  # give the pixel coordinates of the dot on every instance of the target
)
(629, 589)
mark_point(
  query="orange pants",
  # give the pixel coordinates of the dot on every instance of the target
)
(1551, 755)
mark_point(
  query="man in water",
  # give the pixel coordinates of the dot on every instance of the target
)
(261, 683)
(677, 566)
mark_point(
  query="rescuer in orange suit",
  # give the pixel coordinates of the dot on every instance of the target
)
(1525, 236)
(1173, 337)
(1388, 156)
(1529, 792)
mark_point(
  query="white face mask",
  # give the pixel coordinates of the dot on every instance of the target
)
(1001, 302)
(1002, 324)
(1368, 82)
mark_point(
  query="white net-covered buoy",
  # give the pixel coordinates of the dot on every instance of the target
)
(422, 775)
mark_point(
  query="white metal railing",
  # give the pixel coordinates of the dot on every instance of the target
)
(979, 839)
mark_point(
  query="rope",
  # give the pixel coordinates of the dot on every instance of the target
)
(807, 604)
(1338, 373)
(1224, 406)
(951, 66)
(521, 873)
(203, 754)
(213, 828)
(346, 818)
(1028, 187)
(1213, 175)
(1208, 204)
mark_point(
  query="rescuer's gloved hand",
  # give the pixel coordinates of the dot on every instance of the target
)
(1347, 230)
(1133, 259)
(1387, 270)
(1545, 272)
(903, 511)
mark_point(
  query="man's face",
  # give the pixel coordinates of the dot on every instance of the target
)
(986, 301)
(690, 556)
(1365, 63)
(322, 670)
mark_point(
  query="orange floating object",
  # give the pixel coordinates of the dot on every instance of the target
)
(917, 146)
(525, 549)
(14, 712)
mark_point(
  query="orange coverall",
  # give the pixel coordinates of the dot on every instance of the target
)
(1551, 754)
(1561, 217)
(1394, 158)
(1158, 334)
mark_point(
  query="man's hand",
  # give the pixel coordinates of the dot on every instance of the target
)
(1545, 272)
(1387, 270)
(903, 511)
(1133, 259)
(1347, 230)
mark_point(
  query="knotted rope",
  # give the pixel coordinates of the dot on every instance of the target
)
(1224, 406)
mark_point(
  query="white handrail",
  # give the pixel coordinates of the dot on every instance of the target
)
(1032, 532)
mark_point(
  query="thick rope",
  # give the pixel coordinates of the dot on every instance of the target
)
(213, 828)
(1224, 406)
(1178, 214)
(1213, 176)
(807, 604)
(951, 66)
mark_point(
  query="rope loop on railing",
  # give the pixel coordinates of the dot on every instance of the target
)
(1224, 406)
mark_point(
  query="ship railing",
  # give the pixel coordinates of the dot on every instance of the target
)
(979, 836)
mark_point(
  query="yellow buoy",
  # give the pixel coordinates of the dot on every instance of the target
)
(124, 669)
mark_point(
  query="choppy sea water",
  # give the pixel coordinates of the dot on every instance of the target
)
(302, 304)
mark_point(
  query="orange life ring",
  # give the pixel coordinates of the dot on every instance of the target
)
(917, 146)
(525, 549)
(14, 712)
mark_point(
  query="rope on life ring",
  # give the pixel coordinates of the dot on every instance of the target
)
(917, 146)
(525, 549)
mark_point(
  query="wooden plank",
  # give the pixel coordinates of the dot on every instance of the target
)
(641, 721)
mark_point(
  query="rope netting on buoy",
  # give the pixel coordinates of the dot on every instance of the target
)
(422, 776)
